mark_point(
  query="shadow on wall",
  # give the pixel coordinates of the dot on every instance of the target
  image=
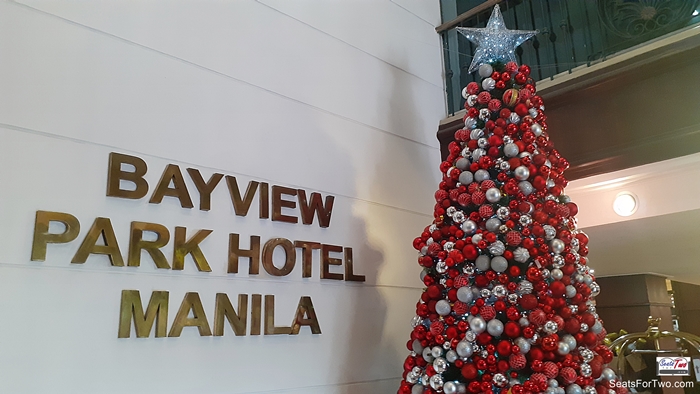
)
(372, 343)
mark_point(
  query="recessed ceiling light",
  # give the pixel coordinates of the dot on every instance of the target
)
(625, 204)
(696, 12)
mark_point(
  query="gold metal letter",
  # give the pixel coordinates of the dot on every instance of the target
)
(305, 308)
(307, 254)
(100, 227)
(131, 308)
(278, 203)
(264, 200)
(137, 244)
(182, 249)
(204, 188)
(115, 175)
(349, 275)
(327, 261)
(191, 302)
(241, 205)
(290, 257)
(270, 328)
(179, 190)
(253, 254)
(255, 313)
(42, 236)
(223, 308)
(323, 211)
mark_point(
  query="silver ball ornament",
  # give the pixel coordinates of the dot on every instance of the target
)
(469, 227)
(418, 389)
(436, 382)
(523, 344)
(557, 245)
(451, 356)
(495, 327)
(464, 349)
(556, 274)
(465, 294)
(497, 248)
(436, 351)
(574, 389)
(465, 177)
(521, 173)
(488, 84)
(563, 348)
(608, 374)
(493, 195)
(481, 175)
(440, 365)
(450, 388)
(477, 324)
(511, 150)
(485, 70)
(443, 307)
(526, 187)
(482, 263)
(493, 224)
(499, 264)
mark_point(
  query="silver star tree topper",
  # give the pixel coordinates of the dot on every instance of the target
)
(494, 42)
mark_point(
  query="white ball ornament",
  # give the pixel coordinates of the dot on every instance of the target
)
(465, 294)
(443, 308)
(570, 291)
(488, 84)
(499, 264)
(493, 195)
(521, 173)
(495, 327)
(477, 324)
(485, 70)
(597, 327)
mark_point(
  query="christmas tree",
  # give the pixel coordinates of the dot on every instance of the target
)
(508, 304)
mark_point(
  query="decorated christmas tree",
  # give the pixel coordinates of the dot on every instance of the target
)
(508, 304)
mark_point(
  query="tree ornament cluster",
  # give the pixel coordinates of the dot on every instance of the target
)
(508, 304)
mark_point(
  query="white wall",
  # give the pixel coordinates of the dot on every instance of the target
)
(341, 97)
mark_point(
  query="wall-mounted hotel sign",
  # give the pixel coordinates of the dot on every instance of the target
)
(125, 179)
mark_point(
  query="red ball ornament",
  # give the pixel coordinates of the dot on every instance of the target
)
(517, 361)
(511, 329)
(521, 109)
(550, 370)
(469, 371)
(568, 374)
(557, 288)
(504, 348)
(528, 302)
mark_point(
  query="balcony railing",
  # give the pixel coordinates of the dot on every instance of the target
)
(572, 33)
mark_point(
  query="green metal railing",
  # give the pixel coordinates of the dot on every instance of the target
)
(572, 33)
